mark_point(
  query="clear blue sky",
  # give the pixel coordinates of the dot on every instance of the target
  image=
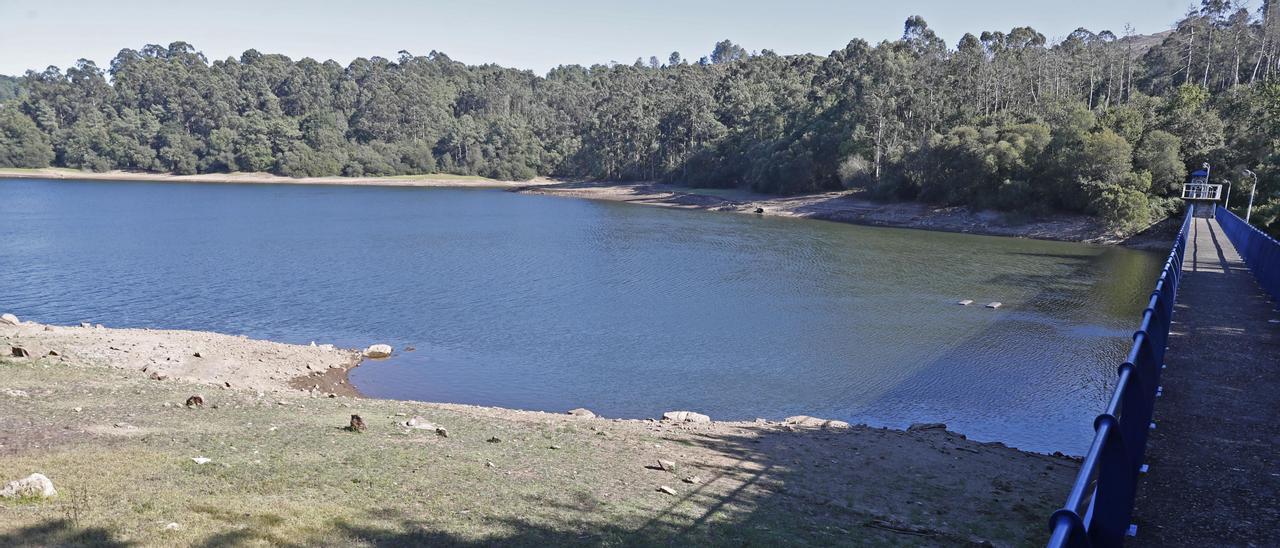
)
(535, 35)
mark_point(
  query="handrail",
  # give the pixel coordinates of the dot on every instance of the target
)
(1260, 251)
(1100, 504)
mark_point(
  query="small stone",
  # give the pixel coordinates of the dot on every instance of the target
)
(48, 328)
(581, 412)
(555, 447)
(667, 465)
(158, 376)
(195, 401)
(33, 486)
(77, 409)
(172, 527)
(996, 304)
(19, 352)
(12, 393)
(442, 432)
(419, 423)
(53, 353)
(685, 416)
(489, 464)
(813, 422)
(86, 325)
(494, 439)
(923, 426)
(98, 326)
(197, 355)
(667, 490)
(692, 479)
(10, 319)
(201, 460)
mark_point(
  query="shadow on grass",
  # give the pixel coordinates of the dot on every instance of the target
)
(60, 532)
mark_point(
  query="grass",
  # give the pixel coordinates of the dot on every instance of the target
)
(291, 475)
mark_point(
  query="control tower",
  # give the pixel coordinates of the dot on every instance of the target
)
(1201, 196)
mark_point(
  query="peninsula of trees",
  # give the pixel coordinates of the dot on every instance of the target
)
(1096, 122)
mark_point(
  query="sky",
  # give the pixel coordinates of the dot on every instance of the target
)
(537, 35)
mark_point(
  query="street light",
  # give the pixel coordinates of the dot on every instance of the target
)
(1249, 212)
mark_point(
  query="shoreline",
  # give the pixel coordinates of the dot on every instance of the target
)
(237, 362)
(850, 207)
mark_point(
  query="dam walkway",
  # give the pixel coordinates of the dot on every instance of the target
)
(1188, 451)
(1214, 456)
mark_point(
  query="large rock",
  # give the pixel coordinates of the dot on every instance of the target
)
(33, 486)
(685, 416)
(814, 422)
(10, 319)
(378, 351)
(923, 426)
(582, 412)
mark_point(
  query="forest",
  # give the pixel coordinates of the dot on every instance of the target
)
(1097, 122)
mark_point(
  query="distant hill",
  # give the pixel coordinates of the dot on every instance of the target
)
(1144, 42)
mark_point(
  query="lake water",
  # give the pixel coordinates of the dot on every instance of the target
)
(550, 303)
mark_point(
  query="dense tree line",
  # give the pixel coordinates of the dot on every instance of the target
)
(1096, 123)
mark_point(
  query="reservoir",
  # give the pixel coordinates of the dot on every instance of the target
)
(548, 303)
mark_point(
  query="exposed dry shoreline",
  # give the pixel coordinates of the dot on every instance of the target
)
(853, 207)
(843, 206)
(114, 397)
(214, 359)
(441, 180)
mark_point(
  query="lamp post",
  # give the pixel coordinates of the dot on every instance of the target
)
(1249, 212)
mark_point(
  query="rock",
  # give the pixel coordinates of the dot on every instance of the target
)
(98, 326)
(19, 352)
(357, 424)
(197, 355)
(77, 409)
(494, 439)
(667, 490)
(685, 416)
(195, 401)
(759, 210)
(172, 527)
(580, 412)
(669, 466)
(86, 325)
(201, 460)
(53, 353)
(555, 447)
(692, 479)
(419, 423)
(33, 486)
(10, 319)
(48, 328)
(923, 426)
(965, 302)
(15, 393)
(158, 376)
(814, 422)
(996, 304)
(489, 464)
(440, 431)
(378, 351)
(409, 349)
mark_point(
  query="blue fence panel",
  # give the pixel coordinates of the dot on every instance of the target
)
(1260, 251)
(1098, 509)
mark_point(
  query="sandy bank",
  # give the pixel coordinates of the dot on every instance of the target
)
(436, 180)
(853, 207)
(281, 467)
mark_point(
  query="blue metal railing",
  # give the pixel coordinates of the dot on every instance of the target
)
(1098, 509)
(1260, 251)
